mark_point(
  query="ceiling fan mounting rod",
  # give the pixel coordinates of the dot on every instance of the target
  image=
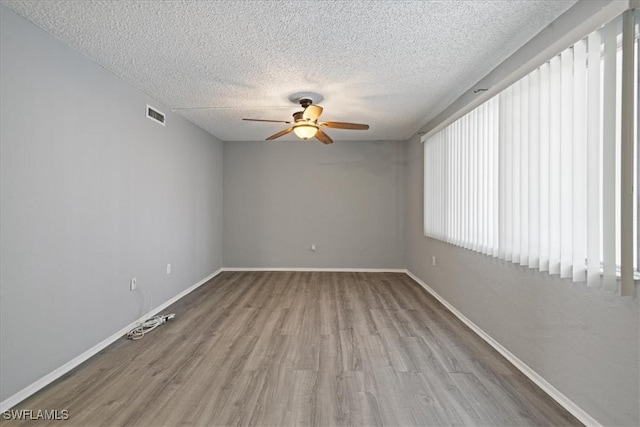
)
(313, 97)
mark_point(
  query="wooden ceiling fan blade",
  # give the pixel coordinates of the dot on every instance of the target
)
(279, 134)
(345, 125)
(270, 121)
(312, 112)
(323, 137)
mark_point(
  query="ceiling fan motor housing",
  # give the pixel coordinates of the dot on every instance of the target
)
(305, 102)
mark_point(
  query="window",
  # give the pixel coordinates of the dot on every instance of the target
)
(535, 175)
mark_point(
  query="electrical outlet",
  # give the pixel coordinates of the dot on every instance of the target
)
(133, 284)
(313, 247)
(168, 268)
(433, 260)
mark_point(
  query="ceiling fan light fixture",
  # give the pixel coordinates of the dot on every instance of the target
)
(305, 131)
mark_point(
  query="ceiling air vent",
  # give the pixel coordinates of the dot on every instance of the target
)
(155, 115)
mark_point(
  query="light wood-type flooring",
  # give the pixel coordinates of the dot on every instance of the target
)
(302, 348)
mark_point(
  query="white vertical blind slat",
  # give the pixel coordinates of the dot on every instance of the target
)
(458, 136)
(482, 195)
(497, 173)
(609, 159)
(438, 168)
(475, 165)
(483, 170)
(534, 169)
(489, 174)
(593, 160)
(428, 186)
(450, 188)
(431, 184)
(440, 173)
(508, 187)
(453, 140)
(524, 171)
(426, 201)
(473, 181)
(566, 163)
(554, 165)
(579, 209)
(465, 189)
(436, 196)
(470, 194)
(636, 244)
(515, 176)
(485, 181)
(502, 184)
(459, 147)
(627, 154)
(441, 177)
(544, 162)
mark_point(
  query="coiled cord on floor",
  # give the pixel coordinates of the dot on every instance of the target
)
(148, 325)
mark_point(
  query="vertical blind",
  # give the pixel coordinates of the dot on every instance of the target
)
(533, 175)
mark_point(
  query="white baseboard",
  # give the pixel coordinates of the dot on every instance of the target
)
(554, 393)
(338, 270)
(57, 373)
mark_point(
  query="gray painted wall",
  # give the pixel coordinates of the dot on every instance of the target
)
(282, 196)
(583, 341)
(92, 193)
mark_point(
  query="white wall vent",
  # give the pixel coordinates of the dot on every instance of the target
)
(155, 115)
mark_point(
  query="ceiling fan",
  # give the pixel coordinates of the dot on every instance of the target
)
(305, 123)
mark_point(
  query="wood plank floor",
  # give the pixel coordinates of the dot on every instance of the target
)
(302, 348)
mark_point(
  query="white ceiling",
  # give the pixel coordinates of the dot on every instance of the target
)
(391, 64)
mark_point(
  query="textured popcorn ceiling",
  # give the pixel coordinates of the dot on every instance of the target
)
(391, 64)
